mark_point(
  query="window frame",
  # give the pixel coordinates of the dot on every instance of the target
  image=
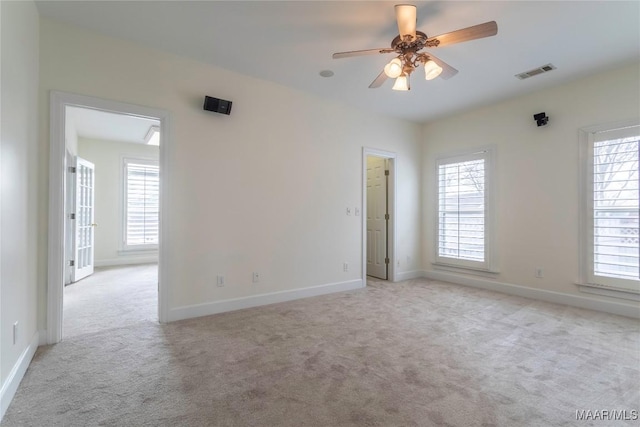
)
(488, 154)
(589, 281)
(127, 248)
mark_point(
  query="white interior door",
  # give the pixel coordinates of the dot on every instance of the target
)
(377, 217)
(83, 224)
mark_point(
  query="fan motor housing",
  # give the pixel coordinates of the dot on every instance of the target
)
(401, 46)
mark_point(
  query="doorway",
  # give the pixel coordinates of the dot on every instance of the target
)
(378, 214)
(63, 230)
(112, 200)
(377, 217)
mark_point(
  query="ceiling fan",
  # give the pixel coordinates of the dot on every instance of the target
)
(410, 42)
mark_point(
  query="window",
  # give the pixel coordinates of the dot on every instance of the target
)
(141, 202)
(612, 208)
(464, 211)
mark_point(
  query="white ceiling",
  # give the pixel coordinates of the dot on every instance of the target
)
(94, 124)
(291, 42)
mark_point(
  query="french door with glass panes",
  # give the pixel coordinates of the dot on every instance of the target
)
(82, 264)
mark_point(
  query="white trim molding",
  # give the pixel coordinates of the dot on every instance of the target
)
(216, 307)
(132, 260)
(614, 293)
(10, 386)
(56, 250)
(409, 275)
(619, 308)
(43, 337)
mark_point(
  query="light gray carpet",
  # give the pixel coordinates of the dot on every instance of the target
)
(112, 297)
(415, 353)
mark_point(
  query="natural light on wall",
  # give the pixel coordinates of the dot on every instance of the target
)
(153, 136)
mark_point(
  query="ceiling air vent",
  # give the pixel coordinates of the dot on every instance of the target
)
(536, 71)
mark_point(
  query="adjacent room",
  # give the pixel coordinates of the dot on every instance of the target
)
(111, 218)
(319, 213)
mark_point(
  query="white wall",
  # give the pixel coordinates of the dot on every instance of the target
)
(537, 172)
(264, 189)
(107, 157)
(18, 197)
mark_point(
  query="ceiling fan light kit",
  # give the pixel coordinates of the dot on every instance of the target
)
(402, 83)
(408, 44)
(394, 68)
(431, 70)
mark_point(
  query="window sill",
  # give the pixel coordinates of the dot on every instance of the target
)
(486, 272)
(138, 251)
(608, 292)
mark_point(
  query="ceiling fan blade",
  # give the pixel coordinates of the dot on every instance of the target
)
(351, 53)
(382, 77)
(406, 17)
(447, 70)
(479, 31)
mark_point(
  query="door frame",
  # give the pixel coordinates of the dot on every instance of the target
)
(57, 238)
(391, 240)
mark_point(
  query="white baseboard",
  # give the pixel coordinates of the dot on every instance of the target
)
(125, 261)
(43, 337)
(207, 309)
(621, 309)
(12, 382)
(608, 292)
(408, 275)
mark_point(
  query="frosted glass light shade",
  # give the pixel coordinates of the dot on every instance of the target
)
(394, 68)
(402, 83)
(431, 70)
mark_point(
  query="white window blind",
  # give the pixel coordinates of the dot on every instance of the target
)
(142, 187)
(462, 202)
(615, 209)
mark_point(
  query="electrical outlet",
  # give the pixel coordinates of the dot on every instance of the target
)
(539, 273)
(345, 267)
(15, 333)
(348, 211)
(357, 211)
(256, 277)
(220, 280)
